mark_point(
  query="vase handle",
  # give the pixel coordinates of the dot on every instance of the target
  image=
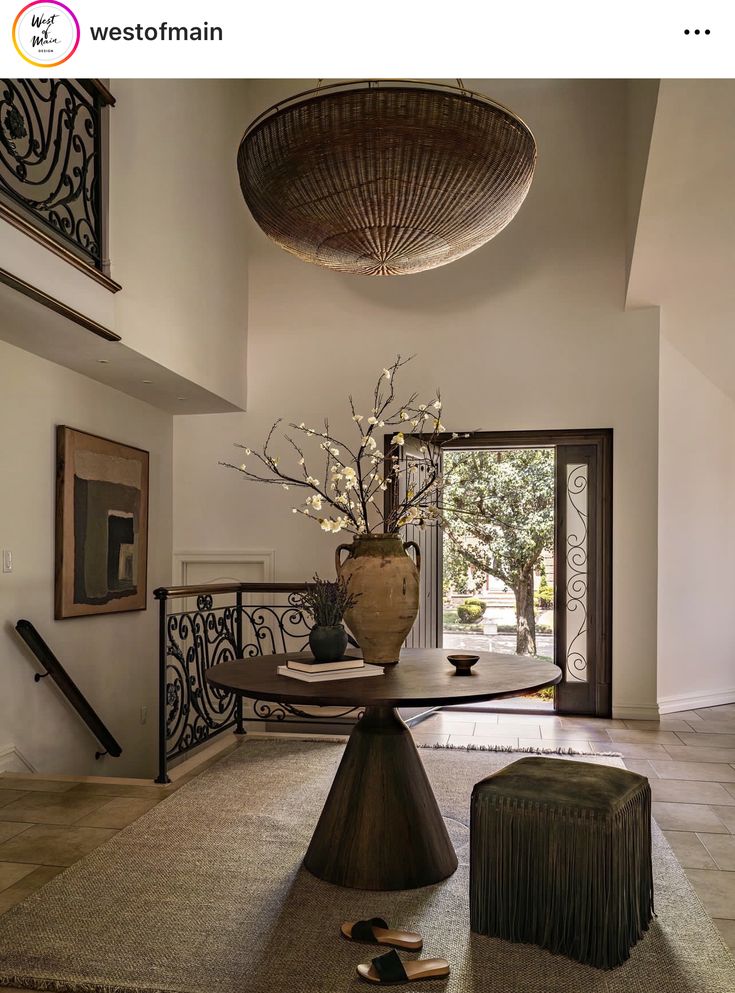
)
(412, 544)
(340, 548)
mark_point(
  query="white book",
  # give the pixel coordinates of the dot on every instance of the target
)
(326, 677)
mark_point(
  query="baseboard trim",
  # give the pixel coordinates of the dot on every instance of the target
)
(695, 701)
(625, 712)
(12, 760)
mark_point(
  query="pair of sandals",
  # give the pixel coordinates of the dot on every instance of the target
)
(391, 968)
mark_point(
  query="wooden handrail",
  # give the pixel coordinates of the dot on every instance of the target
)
(68, 687)
(214, 589)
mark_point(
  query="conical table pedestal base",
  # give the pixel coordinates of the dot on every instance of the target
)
(381, 828)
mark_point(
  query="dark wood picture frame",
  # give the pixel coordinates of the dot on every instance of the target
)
(101, 525)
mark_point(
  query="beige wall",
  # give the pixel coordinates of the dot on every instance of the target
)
(527, 332)
(112, 658)
(696, 652)
(177, 239)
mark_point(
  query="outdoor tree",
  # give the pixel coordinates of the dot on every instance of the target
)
(499, 519)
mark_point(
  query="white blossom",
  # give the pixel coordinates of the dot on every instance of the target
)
(398, 439)
(357, 417)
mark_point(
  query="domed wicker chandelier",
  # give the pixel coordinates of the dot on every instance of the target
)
(385, 177)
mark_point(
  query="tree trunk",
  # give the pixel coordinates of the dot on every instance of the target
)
(525, 617)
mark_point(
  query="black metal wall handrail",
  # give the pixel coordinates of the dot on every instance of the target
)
(68, 687)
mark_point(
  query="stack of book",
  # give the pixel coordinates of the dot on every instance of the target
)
(322, 672)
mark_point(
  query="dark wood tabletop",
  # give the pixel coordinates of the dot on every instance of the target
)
(422, 677)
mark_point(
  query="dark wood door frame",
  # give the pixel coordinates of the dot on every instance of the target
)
(600, 701)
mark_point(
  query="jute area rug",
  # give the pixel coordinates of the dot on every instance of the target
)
(206, 894)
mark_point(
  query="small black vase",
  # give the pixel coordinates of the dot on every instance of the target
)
(328, 644)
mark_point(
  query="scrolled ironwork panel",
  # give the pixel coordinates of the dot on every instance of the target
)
(199, 638)
(577, 554)
(50, 151)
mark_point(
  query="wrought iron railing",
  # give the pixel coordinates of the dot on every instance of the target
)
(201, 626)
(51, 168)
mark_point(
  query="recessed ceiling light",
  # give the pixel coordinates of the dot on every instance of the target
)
(147, 381)
(181, 398)
(103, 361)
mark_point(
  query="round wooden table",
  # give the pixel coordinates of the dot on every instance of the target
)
(381, 828)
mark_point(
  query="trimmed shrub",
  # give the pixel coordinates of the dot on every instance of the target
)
(471, 611)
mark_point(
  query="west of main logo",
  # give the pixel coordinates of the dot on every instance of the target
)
(46, 33)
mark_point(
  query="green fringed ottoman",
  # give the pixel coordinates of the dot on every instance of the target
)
(560, 856)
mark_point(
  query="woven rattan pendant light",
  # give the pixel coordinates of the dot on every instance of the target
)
(385, 177)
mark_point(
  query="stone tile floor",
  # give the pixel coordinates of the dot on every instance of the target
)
(46, 825)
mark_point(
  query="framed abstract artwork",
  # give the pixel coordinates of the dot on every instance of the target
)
(101, 525)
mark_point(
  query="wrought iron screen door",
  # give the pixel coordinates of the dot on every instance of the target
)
(582, 578)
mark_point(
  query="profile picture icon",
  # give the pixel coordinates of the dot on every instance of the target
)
(46, 33)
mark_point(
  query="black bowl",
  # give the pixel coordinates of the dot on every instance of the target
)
(463, 663)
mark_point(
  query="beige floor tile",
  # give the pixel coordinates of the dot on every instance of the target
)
(536, 719)
(642, 767)
(730, 787)
(580, 744)
(643, 737)
(9, 829)
(37, 878)
(698, 739)
(436, 726)
(690, 716)
(41, 785)
(118, 812)
(713, 727)
(716, 890)
(50, 808)
(9, 796)
(578, 734)
(665, 724)
(710, 772)
(431, 739)
(47, 844)
(12, 872)
(593, 722)
(688, 791)
(701, 754)
(722, 849)
(631, 750)
(726, 815)
(727, 930)
(687, 817)
(726, 711)
(510, 731)
(690, 851)
(143, 792)
(469, 739)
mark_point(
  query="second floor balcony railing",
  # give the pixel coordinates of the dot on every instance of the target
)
(51, 160)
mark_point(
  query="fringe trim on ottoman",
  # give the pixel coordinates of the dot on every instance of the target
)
(573, 880)
(528, 749)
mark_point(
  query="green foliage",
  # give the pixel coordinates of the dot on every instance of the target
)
(499, 511)
(326, 602)
(544, 596)
(469, 612)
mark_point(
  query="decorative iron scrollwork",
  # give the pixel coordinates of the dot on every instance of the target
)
(197, 639)
(576, 567)
(50, 151)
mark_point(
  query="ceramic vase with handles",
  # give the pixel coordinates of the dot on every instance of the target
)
(378, 568)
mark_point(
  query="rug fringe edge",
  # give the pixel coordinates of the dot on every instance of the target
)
(526, 749)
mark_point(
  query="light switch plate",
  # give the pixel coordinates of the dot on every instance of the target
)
(7, 560)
